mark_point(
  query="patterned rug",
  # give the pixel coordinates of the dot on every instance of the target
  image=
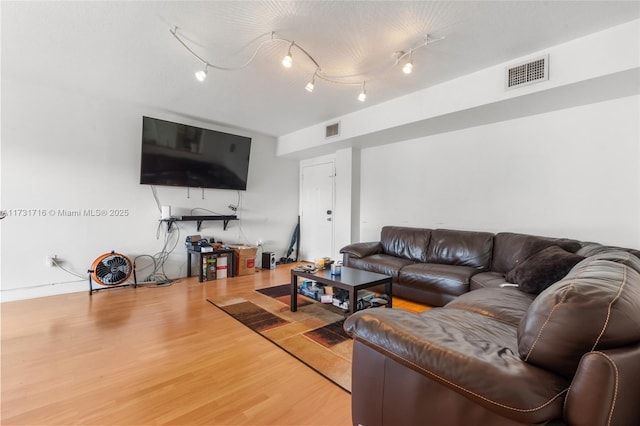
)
(313, 334)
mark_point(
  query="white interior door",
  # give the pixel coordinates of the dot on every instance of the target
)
(316, 210)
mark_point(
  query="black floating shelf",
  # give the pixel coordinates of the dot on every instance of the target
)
(199, 220)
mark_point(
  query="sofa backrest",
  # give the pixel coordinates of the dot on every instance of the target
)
(405, 242)
(465, 248)
(509, 249)
(590, 249)
(595, 307)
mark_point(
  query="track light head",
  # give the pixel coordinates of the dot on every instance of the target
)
(363, 95)
(201, 75)
(408, 67)
(310, 86)
(287, 61)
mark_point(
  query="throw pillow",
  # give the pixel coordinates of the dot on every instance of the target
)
(543, 269)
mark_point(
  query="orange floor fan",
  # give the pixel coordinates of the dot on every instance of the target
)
(110, 270)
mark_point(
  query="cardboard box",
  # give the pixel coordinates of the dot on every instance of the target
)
(244, 259)
(326, 298)
(221, 267)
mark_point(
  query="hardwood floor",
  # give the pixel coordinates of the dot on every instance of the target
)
(156, 355)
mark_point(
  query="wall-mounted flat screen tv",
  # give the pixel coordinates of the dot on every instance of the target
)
(176, 154)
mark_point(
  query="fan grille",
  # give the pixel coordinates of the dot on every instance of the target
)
(111, 269)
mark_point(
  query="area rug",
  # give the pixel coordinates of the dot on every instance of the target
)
(313, 334)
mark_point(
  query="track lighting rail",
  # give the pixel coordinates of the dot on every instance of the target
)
(350, 80)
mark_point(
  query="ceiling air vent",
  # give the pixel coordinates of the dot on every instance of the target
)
(332, 130)
(530, 72)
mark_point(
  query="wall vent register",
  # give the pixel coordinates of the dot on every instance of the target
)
(332, 130)
(533, 71)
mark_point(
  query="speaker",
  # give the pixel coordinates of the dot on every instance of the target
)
(268, 260)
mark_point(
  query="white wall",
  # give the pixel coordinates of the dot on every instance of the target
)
(558, 158)
(571, 173)
(605, 58)
(345, 194)
(63, 150)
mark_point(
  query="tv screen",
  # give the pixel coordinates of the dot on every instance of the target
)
(175, 154)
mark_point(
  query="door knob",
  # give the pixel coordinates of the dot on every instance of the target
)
(329, 212)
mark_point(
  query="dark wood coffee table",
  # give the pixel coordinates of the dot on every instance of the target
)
(350, 279)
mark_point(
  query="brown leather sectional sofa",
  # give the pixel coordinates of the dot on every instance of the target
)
(434, 266)
(566, 351)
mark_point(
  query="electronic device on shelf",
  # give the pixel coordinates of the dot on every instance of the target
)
(192, 241)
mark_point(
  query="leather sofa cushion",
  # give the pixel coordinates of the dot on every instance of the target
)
(487, 279)
(507, 304)
(475, 355)
(429, 296)
(595, 307)
(447, 279)
(380, 263)
(408, 243)
(362, 249)
(543, 269)
(464, 248)
(591, 249)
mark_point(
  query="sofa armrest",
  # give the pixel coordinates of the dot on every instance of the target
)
(604, 390)
(465, 352)
(360, 250)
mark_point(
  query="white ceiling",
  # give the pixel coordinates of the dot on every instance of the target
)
(125, 51)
